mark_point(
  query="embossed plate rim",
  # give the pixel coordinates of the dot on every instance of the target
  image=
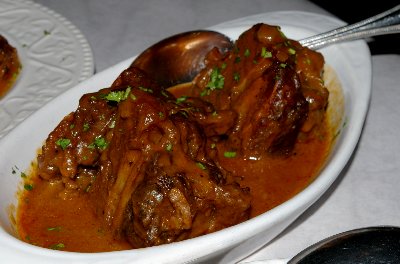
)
(18, 104)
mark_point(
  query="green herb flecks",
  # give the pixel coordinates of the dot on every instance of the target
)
(99, 143)
(292, 51)
(236, 76)
(168, 147)
(28, 186)
(57, 246)
(144, 89)
(217, 81)
(118, 96)
(281, 33)
(229, 154)
(164, 94)
(55, 228)
(265, 53)
(181, 99)
(63, 143)
(86, 127)
(201, 165)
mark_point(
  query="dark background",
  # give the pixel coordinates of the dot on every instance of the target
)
(355, 11)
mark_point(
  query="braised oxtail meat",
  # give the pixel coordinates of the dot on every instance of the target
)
(272, 84)
(72, 150)
(165, 187)
(155, 165)
(142, 159)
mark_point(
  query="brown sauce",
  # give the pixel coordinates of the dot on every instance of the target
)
(70, 224)
(46, 219)
(273, 181)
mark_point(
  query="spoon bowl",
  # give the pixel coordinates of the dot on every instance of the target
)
(179, 58)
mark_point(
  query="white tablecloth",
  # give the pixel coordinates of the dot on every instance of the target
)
(368, 191)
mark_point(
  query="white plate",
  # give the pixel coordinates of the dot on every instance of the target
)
(351, 62)
(55, 56)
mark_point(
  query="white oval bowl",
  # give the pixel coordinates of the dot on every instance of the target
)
(352, 63)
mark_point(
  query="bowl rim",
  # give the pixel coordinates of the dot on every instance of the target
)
(297, 204)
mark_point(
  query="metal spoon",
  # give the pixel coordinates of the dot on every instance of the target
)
(387, 22)
(179, 58)
(370, 245)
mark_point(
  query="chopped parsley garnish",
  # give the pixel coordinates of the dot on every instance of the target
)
(63, 143)
(14, 171)
(237, 59)
(292, 51)
(86, 127)
(57, 246)
(168, 147)
(247, 53)
(229, 154)
(236, 76)
(118, 96)
(283, 65)
(144, 89)
(217, 81)
(265, 53)
(28, 187)
(100, 143)
(281, 33)
(161, 114)
(201, 165)
(56, 228)
(164, 93)
(181, 99)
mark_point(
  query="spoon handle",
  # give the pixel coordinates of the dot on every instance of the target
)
(384, 23)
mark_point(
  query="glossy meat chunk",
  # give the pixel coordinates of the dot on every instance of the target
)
(167, 186)
(272, 84)
(143, 161)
